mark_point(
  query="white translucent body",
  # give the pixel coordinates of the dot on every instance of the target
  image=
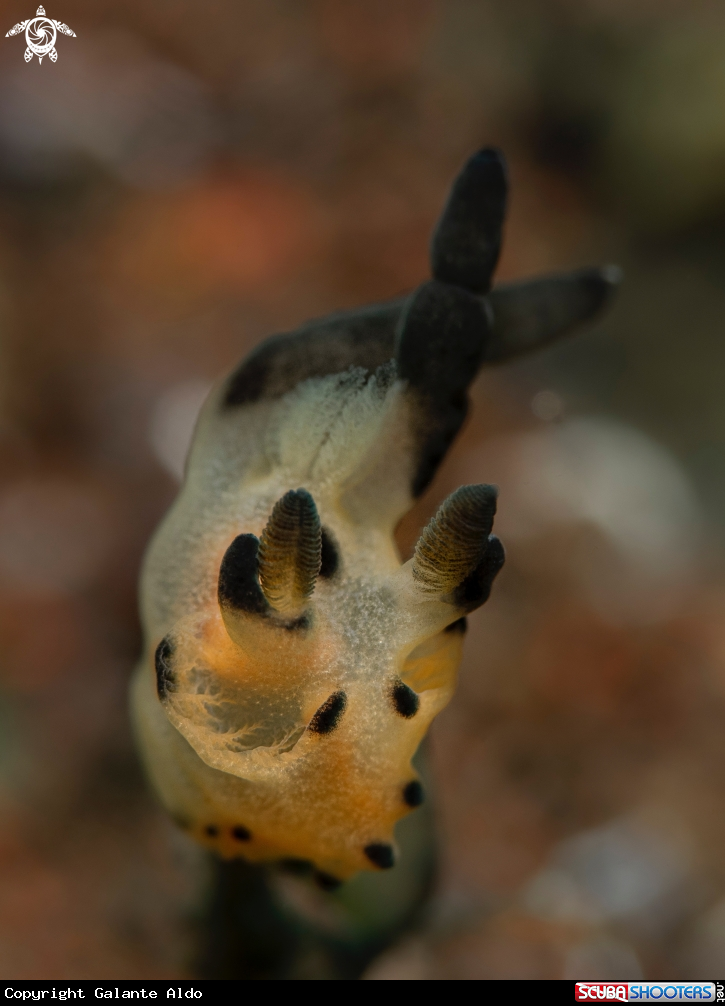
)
(230, 747)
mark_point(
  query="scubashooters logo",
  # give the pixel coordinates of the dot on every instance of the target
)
(40, 34)
(648, 992)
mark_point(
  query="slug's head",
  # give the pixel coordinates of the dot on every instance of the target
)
(317, 680)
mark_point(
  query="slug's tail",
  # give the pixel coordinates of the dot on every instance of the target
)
(335, 375)
(452, 326)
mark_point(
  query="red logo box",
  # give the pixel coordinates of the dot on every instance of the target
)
(594, 992)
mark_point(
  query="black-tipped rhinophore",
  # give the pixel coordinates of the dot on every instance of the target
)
(476, 588)
(467, 241)
(239, 588)
(529, 315)
(455, 541)
(290, 552)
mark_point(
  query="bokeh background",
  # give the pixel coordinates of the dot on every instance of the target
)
(189, 178)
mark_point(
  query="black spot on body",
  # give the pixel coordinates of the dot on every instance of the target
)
(241, 833)
(165, 679)
(330, 555)
(459, 626)
(380, 854)
(239, 577)
(328, 715)
(326, 881)
(405, 700)
(211, 830)
(413, 794)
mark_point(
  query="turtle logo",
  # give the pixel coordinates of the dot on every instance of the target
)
(40, 34)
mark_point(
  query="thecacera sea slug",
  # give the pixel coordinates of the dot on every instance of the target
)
(293, 664)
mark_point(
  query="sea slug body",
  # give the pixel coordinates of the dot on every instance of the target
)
(292, 663)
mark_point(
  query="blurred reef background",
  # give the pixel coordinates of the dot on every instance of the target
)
(187, 179)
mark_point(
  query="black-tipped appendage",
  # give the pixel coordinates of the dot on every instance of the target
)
(530, 315)
(440, 345)
(476, 588)
(290, 551)
(444, 332)
(455, 540)
(442, 340)
(467, 241)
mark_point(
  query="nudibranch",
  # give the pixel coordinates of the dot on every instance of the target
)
(293, 664)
